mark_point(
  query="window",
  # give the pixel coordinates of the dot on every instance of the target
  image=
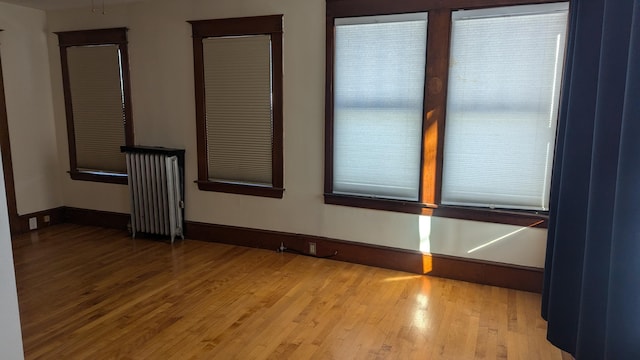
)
(446, 110)
(378, 102)
(504, 86)
(95, 77)
(238, 84)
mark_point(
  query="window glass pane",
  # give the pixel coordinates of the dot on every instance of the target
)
(237, 76)
(98, 108)
(504, 86)
(379, 71)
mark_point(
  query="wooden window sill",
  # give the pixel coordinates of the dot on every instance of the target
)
(243, 189)
(498, 216)
(99, 177)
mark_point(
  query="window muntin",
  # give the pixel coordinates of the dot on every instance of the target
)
(504, 86)
(379, 74)
(238, 84)
(98, 107)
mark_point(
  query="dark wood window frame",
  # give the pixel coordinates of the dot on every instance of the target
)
(113, 36)
(7, 164)
(435, 93)
(258, 25)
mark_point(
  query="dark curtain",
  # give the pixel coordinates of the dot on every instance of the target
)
(591, 296)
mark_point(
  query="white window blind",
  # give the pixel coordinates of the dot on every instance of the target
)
(504, 85)
(237, 76)
(379, 72)
(98, 107)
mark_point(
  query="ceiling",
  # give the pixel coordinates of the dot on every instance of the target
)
(64, 4)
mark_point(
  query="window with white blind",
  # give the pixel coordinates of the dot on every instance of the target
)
(378, 102)
(443, 108)
(96, 88)
(238, 70)
(504, 88)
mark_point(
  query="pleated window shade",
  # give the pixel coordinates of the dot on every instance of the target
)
(379, 72)
(239, 126)
(98, 108)
(503, 93)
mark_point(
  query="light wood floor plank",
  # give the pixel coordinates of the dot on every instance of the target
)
(92, 293)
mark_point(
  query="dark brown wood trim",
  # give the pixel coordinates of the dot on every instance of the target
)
(328, 107)
(56, 216)
(237, 26)
(277, 149)
(272, 25)
(244, 189)
(105, 178)
(410, 207)
(487, 272)
(68, 106)
(435, 99)
(372, 255)
(482, 272)
(92, 37)
(348, 8)
(201, 126)
(7, 164)
(95, 37)
(106, 219)
(509, 217)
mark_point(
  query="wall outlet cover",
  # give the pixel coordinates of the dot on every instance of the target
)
(33, 223)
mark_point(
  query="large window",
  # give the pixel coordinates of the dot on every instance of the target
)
(443, 111)
(238, 79)
(95, 75)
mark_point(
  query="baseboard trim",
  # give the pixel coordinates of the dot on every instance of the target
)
(487, 272)
(365, 254)
(476, 271)
(56, 216)
(104, 219)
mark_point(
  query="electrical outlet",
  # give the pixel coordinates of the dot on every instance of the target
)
(33, 223)
(312, 248)
(46, 219)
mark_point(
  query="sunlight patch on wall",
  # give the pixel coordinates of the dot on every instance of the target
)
(424, 228)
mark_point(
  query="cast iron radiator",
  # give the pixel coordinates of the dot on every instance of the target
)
(156, 186)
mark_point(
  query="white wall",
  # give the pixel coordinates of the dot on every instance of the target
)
(10, 335)
(27, 83)
(161, 64)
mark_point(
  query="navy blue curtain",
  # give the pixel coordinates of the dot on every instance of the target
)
(591, 296)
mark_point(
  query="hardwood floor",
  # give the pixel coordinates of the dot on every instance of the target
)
(92, 293)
